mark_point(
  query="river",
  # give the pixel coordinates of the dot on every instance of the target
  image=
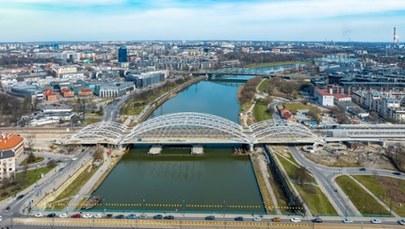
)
(175, 181)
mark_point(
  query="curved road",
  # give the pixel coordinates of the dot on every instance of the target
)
(326, 176)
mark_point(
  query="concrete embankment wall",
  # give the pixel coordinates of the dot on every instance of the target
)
(53, 194)
(163, 98)
(256, 169)
(100, 180)
(293, 199)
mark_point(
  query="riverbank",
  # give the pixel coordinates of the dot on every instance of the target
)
(274, 64)
(153, 105)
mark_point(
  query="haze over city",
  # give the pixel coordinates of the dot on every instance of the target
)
(306, 20)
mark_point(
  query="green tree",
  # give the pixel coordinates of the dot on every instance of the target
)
(31, 158)
(98, 154)
(314, 113)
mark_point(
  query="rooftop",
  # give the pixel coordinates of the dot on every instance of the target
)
(9, 141)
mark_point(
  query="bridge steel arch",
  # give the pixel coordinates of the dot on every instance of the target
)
(188, 125)
(99, 133)
(193, 128)
(282, 131)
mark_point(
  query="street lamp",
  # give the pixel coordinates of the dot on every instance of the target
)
(184, 208)
(144, 206)
(224, 205)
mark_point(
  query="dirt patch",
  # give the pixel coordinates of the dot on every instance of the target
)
(359, 155)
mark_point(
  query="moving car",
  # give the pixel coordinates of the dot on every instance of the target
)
(257, 218)
(210, 217)
(401, 221)
(98, 215)
(276, 219)
(396, 173)
(51, 215)
(295, 220)
(362, 169)
(1, 218)
(168, 217)
(39, 215)
(317, 220)
(376, 221)
(239, 218)
(7, 209)
(347, 221)
(20, 197)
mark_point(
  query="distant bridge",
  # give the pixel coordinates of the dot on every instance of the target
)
(264, 72)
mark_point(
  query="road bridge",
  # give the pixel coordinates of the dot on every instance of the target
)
(192, 128)
(198, 128)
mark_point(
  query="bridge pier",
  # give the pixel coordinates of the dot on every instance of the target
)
(251, 147)
(155, 150)
(197, 150)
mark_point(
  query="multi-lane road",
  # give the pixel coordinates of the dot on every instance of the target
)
(326, 176)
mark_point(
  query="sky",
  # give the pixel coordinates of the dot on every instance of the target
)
(272, 20)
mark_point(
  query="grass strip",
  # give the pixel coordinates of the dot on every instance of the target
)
(389, 190)
(263, 85)
(23, 180)
(64, 198)
(363, 201)
(261, 111)
(262, 185)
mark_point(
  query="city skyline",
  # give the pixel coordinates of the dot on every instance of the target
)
(290, 20)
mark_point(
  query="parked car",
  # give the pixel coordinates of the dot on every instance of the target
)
(98, 215)
(376, 221)
(20, 197)
(401, 221)
(239, 218)
(158, 217)
(76, 216)
(109, 216)
(64, 215)
(317, 220)
(131, 216)
(87, 215)
(7, 209)
(295, 220)
(276, 219)
(396, 173)
(143, 216)
(119, 216)
(51, 215)
(39, 215)
(168, 217)
(362, 169)
(210, 217)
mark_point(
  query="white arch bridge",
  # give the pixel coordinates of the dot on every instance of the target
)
(192, 128)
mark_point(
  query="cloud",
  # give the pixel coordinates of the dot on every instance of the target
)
(63, 2)
(205, 19)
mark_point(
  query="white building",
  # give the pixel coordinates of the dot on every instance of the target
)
(58, 71)
(324, 98)
(11, 147)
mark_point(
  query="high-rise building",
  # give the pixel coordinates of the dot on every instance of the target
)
(122, 54)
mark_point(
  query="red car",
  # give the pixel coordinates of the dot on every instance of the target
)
(75, 216)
